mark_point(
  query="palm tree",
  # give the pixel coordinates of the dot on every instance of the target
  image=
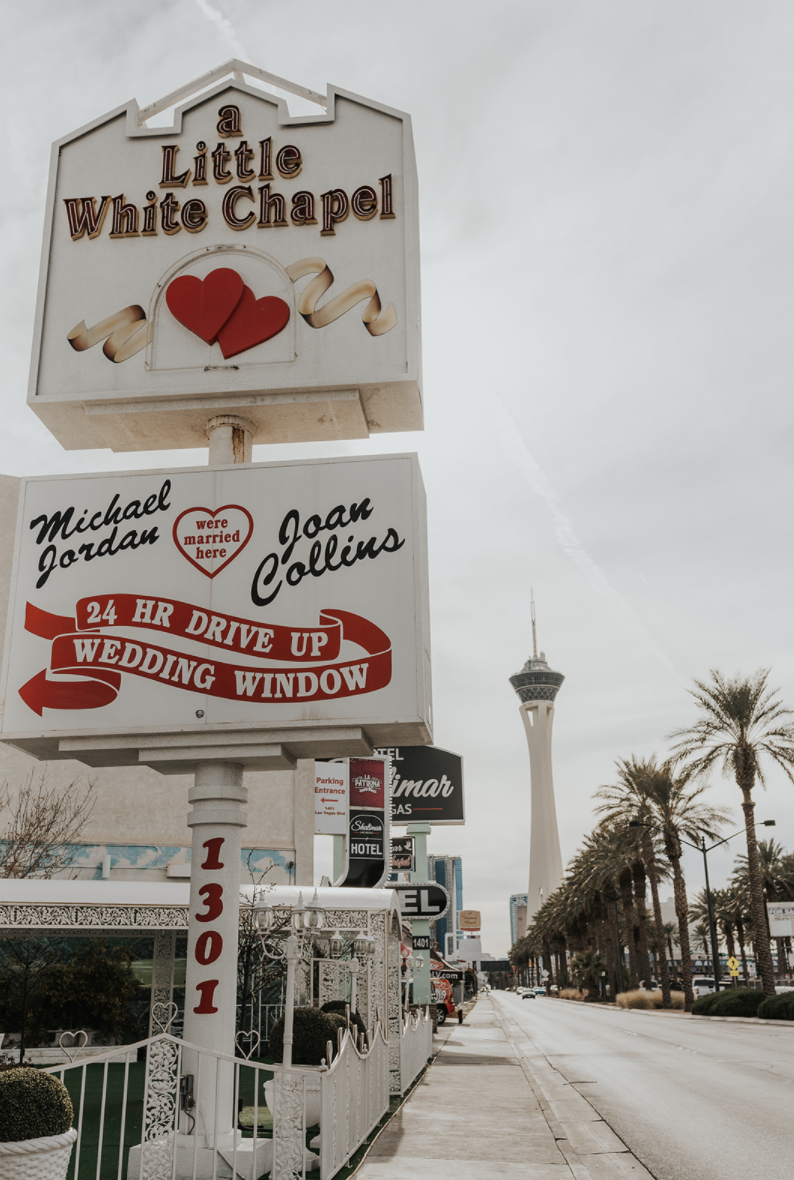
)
(772, 866)
(670, 930)
(740, 721)
(676, 803)
(628, 797)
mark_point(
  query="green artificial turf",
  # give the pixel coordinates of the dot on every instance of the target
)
(87, 1115)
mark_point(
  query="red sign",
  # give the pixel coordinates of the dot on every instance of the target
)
(367, 782)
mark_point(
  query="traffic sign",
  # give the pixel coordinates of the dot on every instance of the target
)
(733, 965)
(422, 901)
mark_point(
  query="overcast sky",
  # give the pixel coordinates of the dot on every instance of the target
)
(607, 195)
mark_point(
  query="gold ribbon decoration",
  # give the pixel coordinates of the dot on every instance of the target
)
(376, 321)
(127, 332)
(124, 333)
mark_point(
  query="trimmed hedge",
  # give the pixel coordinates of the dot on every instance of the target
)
(742, 1001)
(32, 1105)
(778, 1007)
(312, 1029)
(703, 1006)
(338, 1007)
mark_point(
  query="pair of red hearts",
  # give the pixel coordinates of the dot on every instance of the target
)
(221, 308)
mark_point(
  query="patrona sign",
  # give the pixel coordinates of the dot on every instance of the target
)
(262, 595)
(239, 260)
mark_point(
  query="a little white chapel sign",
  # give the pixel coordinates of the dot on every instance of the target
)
(240, 260)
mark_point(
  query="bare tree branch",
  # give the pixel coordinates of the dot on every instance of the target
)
(41, 824)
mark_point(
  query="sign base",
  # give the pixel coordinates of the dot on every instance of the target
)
(263, 748)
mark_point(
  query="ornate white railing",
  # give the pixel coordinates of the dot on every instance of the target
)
(416, 1045)
(179, 1120)
(355, 1097)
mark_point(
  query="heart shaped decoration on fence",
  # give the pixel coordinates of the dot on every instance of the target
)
(72, 1051)
(163, 1016)
(253, 1040)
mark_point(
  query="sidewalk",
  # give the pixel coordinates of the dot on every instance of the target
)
(491, 1105)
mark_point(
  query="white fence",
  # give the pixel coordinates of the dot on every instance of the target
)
(416, 1045)
(192, 1114)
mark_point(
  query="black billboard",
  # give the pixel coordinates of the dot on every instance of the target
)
(426, 785)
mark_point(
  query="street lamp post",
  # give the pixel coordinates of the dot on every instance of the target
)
(701, 847)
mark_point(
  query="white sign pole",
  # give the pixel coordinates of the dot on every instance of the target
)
(217, 819)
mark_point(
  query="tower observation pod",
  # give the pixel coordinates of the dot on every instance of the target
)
(537, 687)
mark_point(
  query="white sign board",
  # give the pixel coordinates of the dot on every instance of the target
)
(278, 596)
(781, 918)
(331, 794)
(238, 261)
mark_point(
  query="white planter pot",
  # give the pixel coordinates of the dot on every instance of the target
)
(313, 1104)
(44, 1159)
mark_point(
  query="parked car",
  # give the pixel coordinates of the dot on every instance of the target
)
(702, 985)
(540, 991)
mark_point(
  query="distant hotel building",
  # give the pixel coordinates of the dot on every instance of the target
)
(518, 916)
(447, 871)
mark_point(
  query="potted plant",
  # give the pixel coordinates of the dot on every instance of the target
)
(312, 1029)
(36, 1133)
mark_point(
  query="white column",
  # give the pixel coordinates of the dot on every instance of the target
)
(217, 819)
(423, 991)
(230, 439)
(545, 858)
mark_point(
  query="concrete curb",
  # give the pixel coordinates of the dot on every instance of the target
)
(727, 1019)
(620, 1161)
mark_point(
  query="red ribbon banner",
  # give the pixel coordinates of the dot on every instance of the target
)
(84, 647)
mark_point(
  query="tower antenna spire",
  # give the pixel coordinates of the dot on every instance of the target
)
(534, 631)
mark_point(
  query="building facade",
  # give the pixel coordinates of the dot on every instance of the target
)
(447, 871)
(518, 916)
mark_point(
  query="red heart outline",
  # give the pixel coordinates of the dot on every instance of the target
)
(204, 306)
(252, 322)
(212, 515)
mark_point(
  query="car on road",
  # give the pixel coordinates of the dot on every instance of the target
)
(529, 994)
(540, 991)
(702, 985)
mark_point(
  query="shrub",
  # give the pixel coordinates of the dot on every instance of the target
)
(32, 1105)
(646, 1000)
(574, 993)
(777, 1007)
(704, 1005)
(338, 1007)
(742, 1001)
(635, 999)
(312, 1029)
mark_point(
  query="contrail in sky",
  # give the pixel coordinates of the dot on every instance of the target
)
(224, 27)
(517, 450)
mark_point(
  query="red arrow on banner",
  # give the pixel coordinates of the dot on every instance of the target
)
(40, 693)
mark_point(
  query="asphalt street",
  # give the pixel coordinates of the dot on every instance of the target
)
(690, 1098)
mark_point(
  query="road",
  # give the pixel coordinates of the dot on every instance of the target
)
(691, 1099)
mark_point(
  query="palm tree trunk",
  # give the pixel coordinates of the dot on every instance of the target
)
(757, 907)
(643, 954)
(742, 938)
(682, 914)
(664, 974)
(629, 917)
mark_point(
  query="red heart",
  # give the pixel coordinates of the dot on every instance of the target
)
(211, 539)
(204, 307)
(254, 321)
